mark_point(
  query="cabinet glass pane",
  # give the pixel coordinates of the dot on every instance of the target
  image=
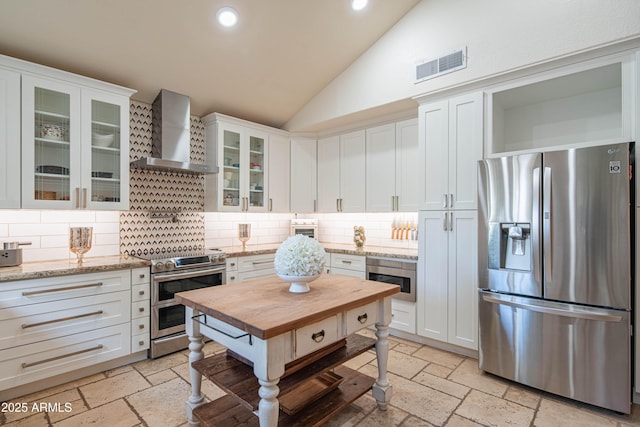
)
(105, 152)
(256, 171)
(51, 145)
(231, 167)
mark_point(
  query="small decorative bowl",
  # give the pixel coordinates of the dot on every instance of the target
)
(53, 131)
(101, 140)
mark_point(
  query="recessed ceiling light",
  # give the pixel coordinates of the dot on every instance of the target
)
(358, 4)
(227, 16)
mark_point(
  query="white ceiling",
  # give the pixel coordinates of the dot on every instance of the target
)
(265, 69)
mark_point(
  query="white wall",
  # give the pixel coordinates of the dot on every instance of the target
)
(48, 232)
(500, 35)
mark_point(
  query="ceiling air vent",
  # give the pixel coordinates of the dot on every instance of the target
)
(430, 68)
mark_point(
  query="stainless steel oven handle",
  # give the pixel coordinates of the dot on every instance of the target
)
(187, 274)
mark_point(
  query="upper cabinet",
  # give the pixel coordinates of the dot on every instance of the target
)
(341, 173)
(9, 139)
(392, 167)
(244, 151)
(75, 139)
(303, 174)
(450, 145)
(588, 103)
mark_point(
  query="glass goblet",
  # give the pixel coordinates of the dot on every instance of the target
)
(80, 241)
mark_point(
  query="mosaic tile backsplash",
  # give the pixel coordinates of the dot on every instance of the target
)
(181, 231)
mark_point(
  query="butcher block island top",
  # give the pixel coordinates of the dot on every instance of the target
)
(286, 365)
(264, 307)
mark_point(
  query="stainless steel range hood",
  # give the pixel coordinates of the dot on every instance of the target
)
(171, 137)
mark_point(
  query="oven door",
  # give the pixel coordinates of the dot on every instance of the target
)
(405, 279)
(167, 316)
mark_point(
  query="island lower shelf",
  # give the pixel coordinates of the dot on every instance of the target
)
(237, 379)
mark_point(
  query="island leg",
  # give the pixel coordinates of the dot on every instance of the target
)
(382, 390)
(196, 343)
(268, 367)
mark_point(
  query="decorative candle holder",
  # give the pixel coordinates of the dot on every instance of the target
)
(244, 234)
(80, 241)
(359, 237)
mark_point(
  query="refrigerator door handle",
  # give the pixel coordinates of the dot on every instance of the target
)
(571, 310)
(535, 227)
(546, 225)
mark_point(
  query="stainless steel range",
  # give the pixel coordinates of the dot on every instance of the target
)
(170, 276)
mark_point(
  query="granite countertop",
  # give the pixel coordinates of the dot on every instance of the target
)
(40, 269)
(377, 251)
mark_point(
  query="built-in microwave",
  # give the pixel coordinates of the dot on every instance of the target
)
(307, 227)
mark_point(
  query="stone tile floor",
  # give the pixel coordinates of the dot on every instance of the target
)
(431, 388)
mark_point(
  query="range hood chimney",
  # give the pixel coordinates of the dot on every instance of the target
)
(171, 137)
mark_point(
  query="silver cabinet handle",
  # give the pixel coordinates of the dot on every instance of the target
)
(363, 318)
(140, 342)
(262, 262)
(318, 336)
(270, 204)
(142, 276)
(77, 197)
(345, 261)
(141, 309)
(337, 205)
(315, 205)
(61, 319)
(451, 200)
(444, 222)
(84, 198)
(141, 293)
(68, 288)
(444, 201)
(141, 326)
(393, 203)
(51, 359)
(450, 221)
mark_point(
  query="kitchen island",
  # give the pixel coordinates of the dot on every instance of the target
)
(273, 334)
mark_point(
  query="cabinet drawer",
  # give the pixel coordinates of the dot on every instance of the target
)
(37, 322)
(33, 362)
(316, 336)
(361, 317)
(140, 325)
(255, 262)
(254, 274)
(23, 292)
(140, 309)
(350, 262)
(232, 264)
(139, 342)
(140, 292)
(140, 275)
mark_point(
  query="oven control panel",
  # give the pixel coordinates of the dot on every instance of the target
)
(183, 263)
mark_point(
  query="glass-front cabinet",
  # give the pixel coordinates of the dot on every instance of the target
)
(75, 145)
(243, 154)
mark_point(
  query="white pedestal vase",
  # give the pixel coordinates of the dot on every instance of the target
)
(299, 284)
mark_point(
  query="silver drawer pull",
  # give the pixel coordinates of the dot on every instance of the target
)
(141, 293)
(40, 362)
(142, 276)
(141, 326)
(68, 288)
(62, 319)
(262, 262)
(318, 336)
(140, 342)
(345, 261)
(363, 318)
(141, 309)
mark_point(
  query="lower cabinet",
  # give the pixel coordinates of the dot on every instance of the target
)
(403, 316)
(347, 265)
(249, 267)
(447, 277)
(56, 325)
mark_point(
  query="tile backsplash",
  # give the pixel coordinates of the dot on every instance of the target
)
(48, 232)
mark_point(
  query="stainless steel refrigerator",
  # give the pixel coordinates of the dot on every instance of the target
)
(555, 271)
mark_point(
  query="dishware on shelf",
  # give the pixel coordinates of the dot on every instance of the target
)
(80, 241)
(100, 140)
(52, 131)
(244, 234)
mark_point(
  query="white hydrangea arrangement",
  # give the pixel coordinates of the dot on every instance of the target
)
(299, 255)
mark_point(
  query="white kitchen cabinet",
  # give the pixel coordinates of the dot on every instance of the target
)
(403, 316)
(347, 265)
(252, 266)
(589, 103)
(303, 174)
(279, 173)
(341, 173)
(140, 309)
(75, 145)
(450, 145)
(9, 138)
(392, 165)
(447, 277)
(241, 150)
(57, 325)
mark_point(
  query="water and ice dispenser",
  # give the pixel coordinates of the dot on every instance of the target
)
(510, 246)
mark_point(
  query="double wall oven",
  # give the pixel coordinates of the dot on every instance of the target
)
(168, 277)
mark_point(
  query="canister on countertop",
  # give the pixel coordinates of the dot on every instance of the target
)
(11, 255)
